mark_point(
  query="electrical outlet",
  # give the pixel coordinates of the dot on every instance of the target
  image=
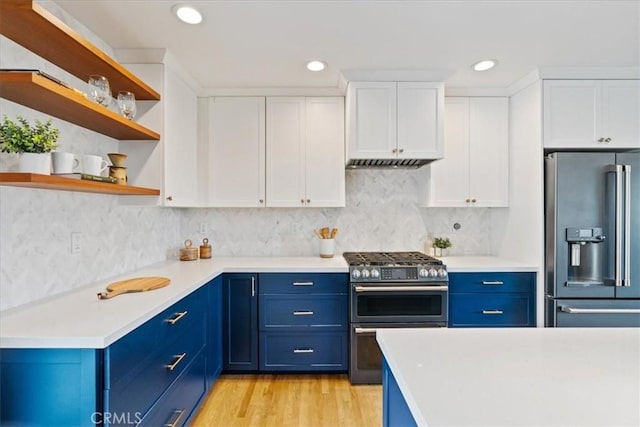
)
(203, 228)
(76, 242)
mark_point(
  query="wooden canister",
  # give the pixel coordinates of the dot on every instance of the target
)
(205, 249)
(188, 253)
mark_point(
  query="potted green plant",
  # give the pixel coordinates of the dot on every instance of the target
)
(440, 244)
(33, 143)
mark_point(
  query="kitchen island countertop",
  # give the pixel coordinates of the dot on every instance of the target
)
(77, 319)
(517, 376)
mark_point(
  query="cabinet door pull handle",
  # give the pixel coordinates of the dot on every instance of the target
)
(473, 200)
(175, 320)
(303, 350)
(175, 418)
(401, 150)
(308, 200)
(302, 201)
(468, 200)
(169, 198)
(492, 312)
(607, 140)
(303, 313)
(601, 140)
(253, 286)
(395, 150)
(302, 283)
(172, 366)
(492, 282)
(261, 200)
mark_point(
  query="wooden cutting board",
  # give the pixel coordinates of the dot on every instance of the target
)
(139, 284)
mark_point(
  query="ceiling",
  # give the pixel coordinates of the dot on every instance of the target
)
(249, 44)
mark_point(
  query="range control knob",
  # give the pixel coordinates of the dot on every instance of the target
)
(375, 273)
(365, 273)
(423, 272)
(355, 274)
(442, 273)
(433, 272)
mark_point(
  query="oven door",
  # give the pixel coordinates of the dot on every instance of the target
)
(399, 303)
(365, 364)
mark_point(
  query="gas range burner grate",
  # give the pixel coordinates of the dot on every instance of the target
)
(390, 258)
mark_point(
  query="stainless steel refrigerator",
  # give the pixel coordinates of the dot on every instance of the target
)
(592, 238)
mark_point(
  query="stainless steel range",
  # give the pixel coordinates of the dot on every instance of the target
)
(391, 290)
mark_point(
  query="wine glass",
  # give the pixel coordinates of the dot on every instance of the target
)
(127, 104)
(100, 90)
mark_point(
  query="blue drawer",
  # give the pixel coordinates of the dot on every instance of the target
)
(303, 311)
(303, 283)
(131, 351)
(177, 405)
(491, 282)
(486, 310)
(325, 351)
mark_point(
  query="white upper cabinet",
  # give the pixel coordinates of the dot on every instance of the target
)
(394, 120)
(171, 163)
(592, 114)
(475, 168)
(305, 152)
(236, 152)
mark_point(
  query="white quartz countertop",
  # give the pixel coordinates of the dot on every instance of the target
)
(517, 376)
(80, 320)
(468, 264)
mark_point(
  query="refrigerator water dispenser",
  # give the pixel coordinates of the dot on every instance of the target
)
(586, 256)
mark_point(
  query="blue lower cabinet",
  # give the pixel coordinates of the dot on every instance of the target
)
(301, 351)
(485, 300)
(240, 322)
(40, 387)
(178, 403)
(214, 331)
(163, 363)
(395, 411)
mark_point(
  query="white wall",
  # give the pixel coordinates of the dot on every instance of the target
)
(518, 231)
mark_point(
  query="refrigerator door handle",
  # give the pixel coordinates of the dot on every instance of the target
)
(571, 310)
(627, 225)
(618, 170)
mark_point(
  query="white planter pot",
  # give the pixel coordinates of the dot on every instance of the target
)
(35, 163)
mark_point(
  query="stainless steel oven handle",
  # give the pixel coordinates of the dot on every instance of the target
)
(365, 330)
(400, 288)
(571, 310)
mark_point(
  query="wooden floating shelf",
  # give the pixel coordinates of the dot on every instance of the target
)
(30, 25)
(42, 94)
(53, 182)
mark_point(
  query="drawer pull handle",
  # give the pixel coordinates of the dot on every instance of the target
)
(175, 418)
(302, 283)
(303, 350)
(176, 362)
(492, 312)
(303, 313)
(178, 317)
(492, 282)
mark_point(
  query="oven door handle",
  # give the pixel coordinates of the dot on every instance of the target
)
(572, 310)
(359, 331)
(400, 288)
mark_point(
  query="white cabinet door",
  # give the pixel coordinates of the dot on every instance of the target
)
(325, 171)
(180, 139)
(475, 168)
(592, 114)
(305, 152)
(419, 124)
(371, 121)
(171, 163)
(489, 151)
(237, 152)
(286, 151)
(621, 113)
(449, 177)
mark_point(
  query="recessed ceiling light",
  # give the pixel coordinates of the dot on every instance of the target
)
(484, 65)
(188, 14)
(316, 65)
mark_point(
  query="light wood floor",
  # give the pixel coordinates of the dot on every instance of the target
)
(290, 401)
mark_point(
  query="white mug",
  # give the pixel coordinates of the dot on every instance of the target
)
(93, 165)
(63, 162)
